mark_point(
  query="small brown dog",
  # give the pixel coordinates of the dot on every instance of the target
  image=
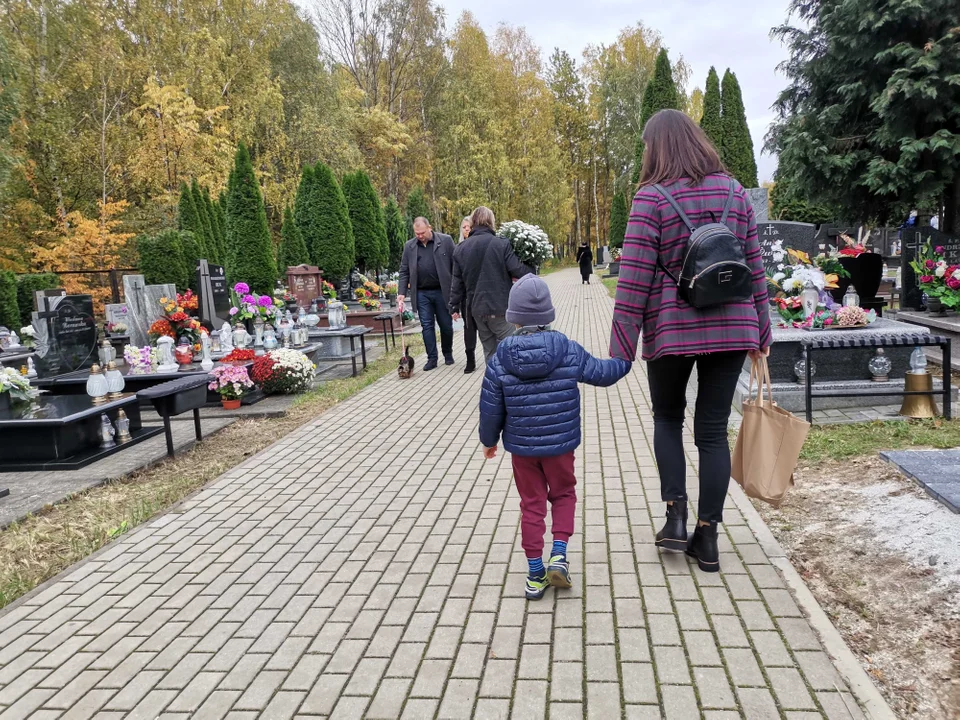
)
(405, 368)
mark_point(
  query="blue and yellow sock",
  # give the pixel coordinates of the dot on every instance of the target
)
(559, 548)
(536, 567)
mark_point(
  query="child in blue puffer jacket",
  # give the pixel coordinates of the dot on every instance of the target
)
(531, 396)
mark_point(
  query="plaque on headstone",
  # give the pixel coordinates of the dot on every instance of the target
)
(213, 293)
(760, 200)
(115, 313)
(784, 235)
(914, 239)
(304, 283)
(66, 334)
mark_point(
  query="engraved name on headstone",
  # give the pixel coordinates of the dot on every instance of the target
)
(784, 235)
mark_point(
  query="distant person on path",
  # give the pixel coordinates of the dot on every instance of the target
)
(531, 396)
(585, 259)
(484, 268)
(425, 275)
(677, 336)
(469, 327)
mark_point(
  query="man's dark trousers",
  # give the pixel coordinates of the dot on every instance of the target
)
(432, 309)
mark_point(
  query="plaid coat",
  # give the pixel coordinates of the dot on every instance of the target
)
(647, 300)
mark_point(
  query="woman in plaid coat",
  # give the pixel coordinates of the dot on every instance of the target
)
(676, 337)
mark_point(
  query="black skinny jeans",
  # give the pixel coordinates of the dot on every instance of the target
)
(717, 375)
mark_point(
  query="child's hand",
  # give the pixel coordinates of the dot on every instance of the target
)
(490, 453)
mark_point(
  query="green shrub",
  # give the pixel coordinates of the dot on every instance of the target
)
(9, 312)
(162, 260)
(250, 254)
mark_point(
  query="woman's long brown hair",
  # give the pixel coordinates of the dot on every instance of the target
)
(676, 147)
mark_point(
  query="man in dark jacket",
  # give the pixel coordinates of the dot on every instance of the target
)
(425, 273)
(530, 394)
(484, 267)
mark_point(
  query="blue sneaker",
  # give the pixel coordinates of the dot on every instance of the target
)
(558, 572)
(536, 587)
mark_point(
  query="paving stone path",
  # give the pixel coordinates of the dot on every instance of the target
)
(346, 574)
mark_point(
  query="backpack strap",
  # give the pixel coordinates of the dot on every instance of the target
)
(676, 206)
(727, 205)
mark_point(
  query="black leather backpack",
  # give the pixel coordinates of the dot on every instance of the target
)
(715, 270)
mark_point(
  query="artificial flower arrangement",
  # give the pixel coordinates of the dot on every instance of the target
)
(365, 296)
(238, 355)
(328, 289)
(615, 254)
(852, 247)
(247, 305)
(283, 371)
(791, 279)
(27, 335)
(231, 382)
(391, 288)
(182, 326)
(17, 386)
(937, 278)
(840, 317)
(140, 359)
(160, 328)
(116, 328)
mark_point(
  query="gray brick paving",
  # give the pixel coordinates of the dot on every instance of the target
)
(344, 576)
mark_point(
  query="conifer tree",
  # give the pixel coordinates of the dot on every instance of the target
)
(322, 215)
(192, 255)
(396, 230)
(250, 248)
(619, 214)
(217, 222)
(710, 122)
(188, 216)
(366, 219)
(162, 260)
(417, 207)
(209, 245)
(659, 94)
(293, 250)
(9, 310)
(737, 147)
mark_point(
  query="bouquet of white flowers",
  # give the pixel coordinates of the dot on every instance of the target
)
(530, 243)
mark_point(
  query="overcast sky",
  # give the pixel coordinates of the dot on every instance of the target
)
(705, 32)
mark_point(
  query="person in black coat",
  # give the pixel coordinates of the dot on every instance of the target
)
(469, 328)
(484, 268)
(585, 258)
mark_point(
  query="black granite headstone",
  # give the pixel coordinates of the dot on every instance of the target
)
(71, 336)
(794, 235)
(914, 239)
(214, 295)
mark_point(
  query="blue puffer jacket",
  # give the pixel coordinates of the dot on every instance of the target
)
(530, 393)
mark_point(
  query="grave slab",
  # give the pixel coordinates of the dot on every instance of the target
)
(936, 471)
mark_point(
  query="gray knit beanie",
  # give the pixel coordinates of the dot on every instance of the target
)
(530, 303)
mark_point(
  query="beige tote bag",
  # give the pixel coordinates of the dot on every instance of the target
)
(769, 443)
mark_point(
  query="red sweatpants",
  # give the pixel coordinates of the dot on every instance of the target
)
(540, 479)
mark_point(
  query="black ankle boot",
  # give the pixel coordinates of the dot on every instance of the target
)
(703, 547)
(471, 363)
(674, 533)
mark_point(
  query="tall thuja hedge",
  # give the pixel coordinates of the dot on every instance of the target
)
(250, 255)
(366, 219)
(710, 122)
(293, 250)
(27, 285)
(396, 232)
(209, 245)
(737, 148)
(619, 214)
(188, 217)
(192, 255)
(659, 94)
(417, 206)
(162, 259)
(321, 213)
(9, 311)
(217, 223)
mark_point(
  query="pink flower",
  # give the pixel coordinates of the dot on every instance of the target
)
(265, 301)
(938, 249)
(828, 321)
(953, 283)
(930, 264)
(234, 311)
(241, 288)
(926, 279)
(249, 299)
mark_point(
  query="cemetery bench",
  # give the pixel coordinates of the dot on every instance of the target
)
(62, 432)
(351, 332)
(873, 341)
(176, 397)
(387, 318)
